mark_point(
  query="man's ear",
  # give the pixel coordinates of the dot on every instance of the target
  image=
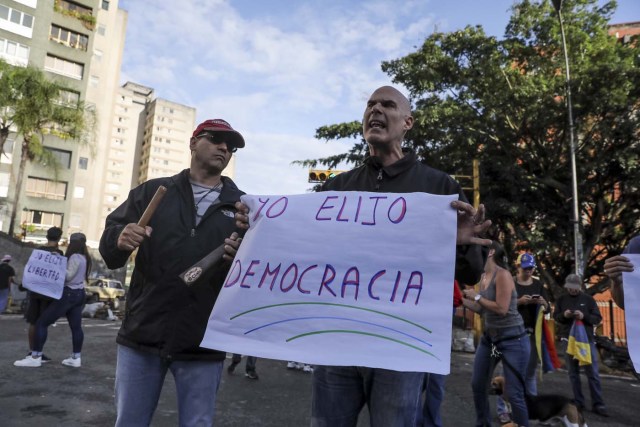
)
(408, 122)
(192, 143)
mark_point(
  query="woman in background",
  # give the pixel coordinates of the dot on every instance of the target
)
(70, 305)
(503, 336)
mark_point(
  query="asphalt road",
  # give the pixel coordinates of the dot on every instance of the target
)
(55, 395)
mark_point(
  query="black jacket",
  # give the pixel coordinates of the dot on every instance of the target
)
(163, 315)
(583, 302)
(408, 175)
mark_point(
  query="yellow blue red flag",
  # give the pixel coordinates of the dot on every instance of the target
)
(544, 344)
(578, 345)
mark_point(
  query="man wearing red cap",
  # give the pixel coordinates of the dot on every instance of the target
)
(165, 320)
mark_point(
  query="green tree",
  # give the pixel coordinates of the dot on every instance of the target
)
(502, 101)
(31, 104)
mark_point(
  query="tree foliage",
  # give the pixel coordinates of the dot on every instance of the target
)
(31, 104)
(503, 102)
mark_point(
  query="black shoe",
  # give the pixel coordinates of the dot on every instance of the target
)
(232, 367)
(253, 375)
(601, 410)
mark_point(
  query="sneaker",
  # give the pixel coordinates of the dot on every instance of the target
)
(307, 368)
(74, 363)
(232, 367)
(291, 365)
(504, 418)
(45, 359)
(29, 362)
(253, 375)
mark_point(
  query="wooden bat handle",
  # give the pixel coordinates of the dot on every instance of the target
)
(153, 204)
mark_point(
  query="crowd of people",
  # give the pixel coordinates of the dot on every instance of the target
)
(165, 320)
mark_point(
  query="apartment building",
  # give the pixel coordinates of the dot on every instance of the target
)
(78, 43)
(137, 136)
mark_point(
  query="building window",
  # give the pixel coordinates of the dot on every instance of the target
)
(102, 30)
(14, 53)
(105, 5)
(4, 184)
(97, 55)
(63, 157)
(62, 66)
(69, 98)
(73, 7)
(78, 193)
(7, 157)
(42, 218)
(68, 37)
(46, 188)
(16, 21)
(94, 81)
(83, 163)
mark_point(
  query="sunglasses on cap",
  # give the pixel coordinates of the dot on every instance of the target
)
(217, 139)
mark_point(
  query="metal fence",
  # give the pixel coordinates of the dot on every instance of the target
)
(613, 324)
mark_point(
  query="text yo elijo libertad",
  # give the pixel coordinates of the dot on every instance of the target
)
(47, 266)
(325, 279)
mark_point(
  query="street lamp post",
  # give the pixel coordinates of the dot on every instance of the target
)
(577, 237)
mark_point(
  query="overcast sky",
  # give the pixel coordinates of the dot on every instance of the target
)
(279, 69)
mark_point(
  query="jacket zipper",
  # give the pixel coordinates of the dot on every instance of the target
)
(379, 180)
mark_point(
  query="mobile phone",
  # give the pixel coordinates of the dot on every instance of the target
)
(535, 296)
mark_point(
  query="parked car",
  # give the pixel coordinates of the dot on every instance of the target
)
(105, 290)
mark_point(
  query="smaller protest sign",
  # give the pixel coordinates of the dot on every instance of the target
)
(44, 273)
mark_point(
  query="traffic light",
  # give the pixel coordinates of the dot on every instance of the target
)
(321, 175)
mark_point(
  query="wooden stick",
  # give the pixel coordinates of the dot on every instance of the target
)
(153, 204)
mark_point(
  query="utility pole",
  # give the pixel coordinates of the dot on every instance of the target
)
(577, 236)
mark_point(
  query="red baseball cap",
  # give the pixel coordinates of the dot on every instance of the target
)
(219, 125)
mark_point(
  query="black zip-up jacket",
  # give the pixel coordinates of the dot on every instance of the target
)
(583, 302)
(163, 315)
(408, 175)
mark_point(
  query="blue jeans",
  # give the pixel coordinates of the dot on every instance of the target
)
(530, 381)
(139, 379)
(592, 376)
(516, 352)
(340, 393)
(4, 297)
(70, 305)
(434, 394)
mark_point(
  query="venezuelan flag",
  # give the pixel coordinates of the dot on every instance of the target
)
(544, 344)
(578, 345)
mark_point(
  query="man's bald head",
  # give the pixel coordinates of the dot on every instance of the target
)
(386, 120)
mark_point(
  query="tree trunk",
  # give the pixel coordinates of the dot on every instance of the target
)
(16, 197)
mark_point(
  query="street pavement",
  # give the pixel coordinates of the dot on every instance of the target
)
(56, 395)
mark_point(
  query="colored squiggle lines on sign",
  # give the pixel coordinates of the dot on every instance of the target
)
(347, 331)
(337, 318)
(334, 305)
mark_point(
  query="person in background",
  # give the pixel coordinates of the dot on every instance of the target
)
(7, 273)
(616, 265)
(38, 303)
(70, 305)
(577, 305)
(503, 336)
(166, 320)
(250, 366)
(531, 295)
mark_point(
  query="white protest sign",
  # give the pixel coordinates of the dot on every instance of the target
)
(631, 283)
(44, 273)
(342, 278)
